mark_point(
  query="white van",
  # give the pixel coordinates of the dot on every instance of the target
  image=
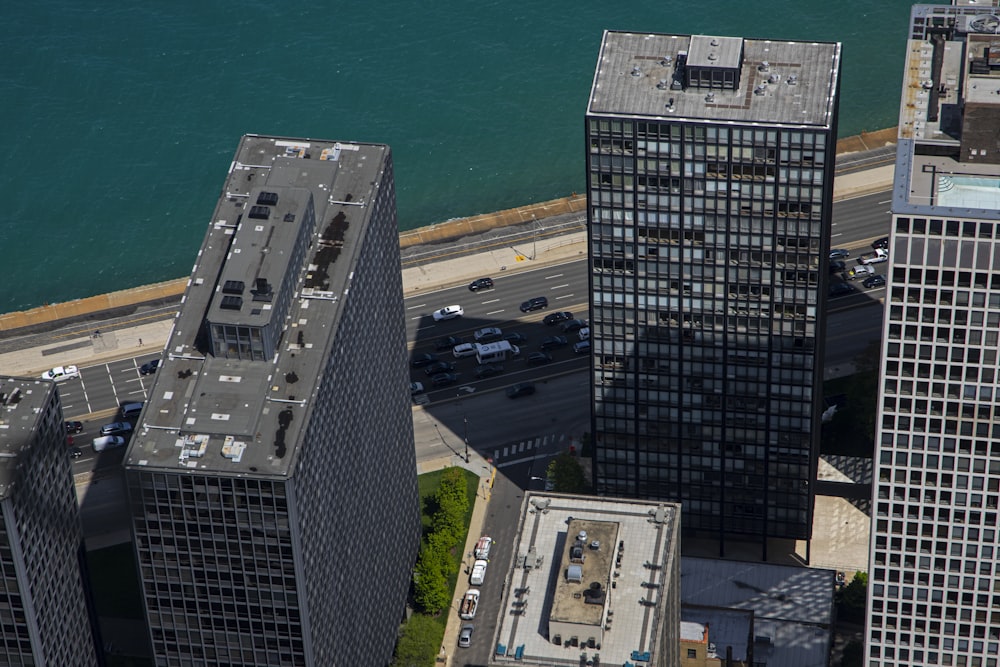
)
(492, 353)
(464, 350)
(584, 333)
(478, 575)
(107, 442)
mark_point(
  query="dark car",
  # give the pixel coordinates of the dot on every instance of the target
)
(75, 452)
(581, 347)
(553, 342)
(556, 318)
(421, 360)
(515, 338)
(149, 367)
(74, 427)
(841, 289)
(573, 326)
(536, 303)
(877, 280)
(521, 389)
(839, 253)
(539, 358)
(882, 243)
(488, 370)
(447, 343)
(837, 266)
(480, 283)
(444, 379)
(116, 428)
(439, 367)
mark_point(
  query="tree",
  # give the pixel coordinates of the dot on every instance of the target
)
(430, 585)
(452, 504)
(566, 474)
(418, 643)
(851, 599)
(853, 656)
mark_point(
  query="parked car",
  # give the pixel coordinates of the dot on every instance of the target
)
(860, 271)
(539, 358)
(416, 388)
(116, 428)
(515, 338)
(465, 636)
(423, 359)
(447, 343)
(60, 373)
(841, 289)
(487, 335)
(132, 410)
(464, 350)
(74, 427)
(882, 243)
(557, 317)
(553, 342)
(488, 370)
(478, 575)
(837, 266)
(149, 367)
(470, 603)
(878, 280)
(480, 283)
(439, 367)
(839, 253)
(521, 389)
(483, 546)
(448, 313)
(573, 326)
(444, 379)
(583, 334)
(536, 303)
(75, 452)
(581, 347)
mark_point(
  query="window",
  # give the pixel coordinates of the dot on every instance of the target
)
(692, 653)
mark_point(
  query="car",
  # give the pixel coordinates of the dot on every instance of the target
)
(465, 636)
(583, 334)
(521, 389)
(132, 410)
(483, 546)
(73, 427)
(447, 343)
(860, 271)
(538, 358)
(107, 442)
(469, 604)
(839, 253)
(60, 373)
(75, 452)
(480, 283)
(488, 370)
(557, 317)
(573, 326)
(515, 338)
(581, 347)
(553, 342)
(439, 367)
(464, 350)
(448, 313)
(416, 388)
(841, 289)
(837, 266)
(487, 335)
(444, 379)
(478, 575)
(149, 367)
(881, 244)
(535, 303)
(116, 428)
(424, 359)
(878, 280)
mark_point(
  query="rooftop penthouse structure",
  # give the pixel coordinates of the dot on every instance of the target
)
(256, 474)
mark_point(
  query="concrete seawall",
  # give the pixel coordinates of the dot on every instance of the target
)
(443, 232)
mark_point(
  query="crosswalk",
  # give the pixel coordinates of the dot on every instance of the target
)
(530, 448)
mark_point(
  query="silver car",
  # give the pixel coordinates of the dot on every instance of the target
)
(465, 636)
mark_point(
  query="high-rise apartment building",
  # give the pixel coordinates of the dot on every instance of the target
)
(932, 593)
(272, 475)
(45, 618)
(710, 179)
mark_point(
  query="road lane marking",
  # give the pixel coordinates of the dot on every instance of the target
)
(558, 275)
(560, 286)
(887, 201)
(419, 305)
(495, 312)
(490, 301)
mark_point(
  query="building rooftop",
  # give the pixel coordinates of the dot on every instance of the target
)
(948, 157)
(792, 607)
(242, 416)
(759, 81)
(22, 402)
(721, 630)
(630, 551)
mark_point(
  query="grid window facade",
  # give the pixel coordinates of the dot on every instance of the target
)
(934, 561)
(706, 244)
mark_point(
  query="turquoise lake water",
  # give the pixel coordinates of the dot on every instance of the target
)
(121, 121)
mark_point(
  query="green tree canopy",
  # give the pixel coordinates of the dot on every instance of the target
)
(419, 642)
(566, 474)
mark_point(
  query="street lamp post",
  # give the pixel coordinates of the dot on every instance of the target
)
(465, 425)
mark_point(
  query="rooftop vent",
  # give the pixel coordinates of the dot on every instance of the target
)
(663, 84)
(576, 554)
(232, 287)
(574, 573)
(667, 60)
(582, 536)
(260, 212)
(289, 217)
(774, 78)
(231, 303)
(764, 66)
(710, 98)
(670, 104)
(714, 42)
(262, 290)
(267, 198)
(636, 71)
(594, 594)
(712, 56)
(760, 90)
(793, 79)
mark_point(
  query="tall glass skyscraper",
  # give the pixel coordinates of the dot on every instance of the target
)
(933, 597)
(710, 180)
(272, 475)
